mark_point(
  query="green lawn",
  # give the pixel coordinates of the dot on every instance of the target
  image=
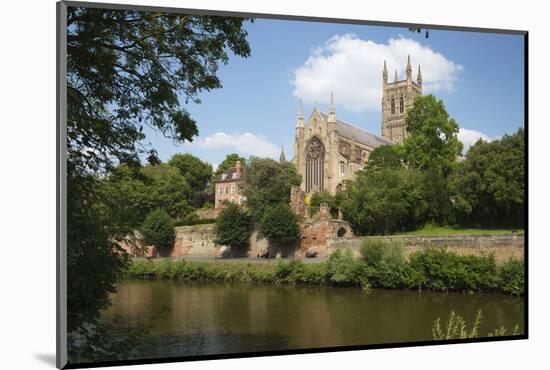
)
(430, 230)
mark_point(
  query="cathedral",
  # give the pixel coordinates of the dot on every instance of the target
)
(328, 151)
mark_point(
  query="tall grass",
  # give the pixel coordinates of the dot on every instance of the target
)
(456, 328)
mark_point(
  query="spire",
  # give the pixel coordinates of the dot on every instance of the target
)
(331, 109)
(385, 73)
(282, 158)
(419, 76)
(409, 68)
(395, 78)
(300, 118)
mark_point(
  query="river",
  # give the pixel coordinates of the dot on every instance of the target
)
(215, 318)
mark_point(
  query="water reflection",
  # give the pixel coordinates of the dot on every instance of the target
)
(224, 318)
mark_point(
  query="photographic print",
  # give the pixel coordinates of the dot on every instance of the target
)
(243, 185)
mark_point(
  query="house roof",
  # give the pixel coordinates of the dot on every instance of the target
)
(230, 175)
(355, 133)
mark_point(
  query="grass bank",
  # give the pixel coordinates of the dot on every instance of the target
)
(432, 230)
(382, 265)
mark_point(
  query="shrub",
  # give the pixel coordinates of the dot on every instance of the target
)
(439, 269)
(511, 277)
(384, 261)
(280, 225)
(233, 226)
(343, 269)
(158, 230)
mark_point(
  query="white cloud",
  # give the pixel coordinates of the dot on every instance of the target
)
(246, 144)
(352, 69)
(470, 137)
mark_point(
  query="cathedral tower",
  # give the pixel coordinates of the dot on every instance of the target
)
(397, 98)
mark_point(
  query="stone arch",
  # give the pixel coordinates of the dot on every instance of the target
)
(341, 232)
(315, 165)
(339, 188)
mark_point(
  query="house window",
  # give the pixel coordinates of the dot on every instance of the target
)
(232, 189)
(227, 190)
(219, 189)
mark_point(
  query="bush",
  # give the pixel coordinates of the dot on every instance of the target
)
(233, 226)
(385, 263)
(158, 230)
(343, 269)
(439, 269)
(512, 277)
(280, 225)
(319, 197)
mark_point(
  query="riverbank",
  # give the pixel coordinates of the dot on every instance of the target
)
(380, 266)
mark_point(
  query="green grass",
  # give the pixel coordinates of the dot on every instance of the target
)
(431, 230)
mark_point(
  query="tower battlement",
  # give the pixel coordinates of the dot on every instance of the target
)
(397, 98)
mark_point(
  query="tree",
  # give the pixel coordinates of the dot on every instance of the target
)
(385, 201)
(130, 194)
(93, 260)
(233, 227)
(158, 230)
(432, 142)
(228, 162)
(127, 70)
(197, 173)
(280, 225)
(267, 183)
(386, 156)
(490, 183)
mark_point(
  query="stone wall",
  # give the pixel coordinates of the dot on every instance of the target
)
(194, 241)
(503, 246)
(325, 235)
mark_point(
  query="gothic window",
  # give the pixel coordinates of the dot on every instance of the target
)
(401, 104)
(392, 105)
(315, 165)
(342, 168)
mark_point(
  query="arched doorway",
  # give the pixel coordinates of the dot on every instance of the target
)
(315, 166)
(341, 232)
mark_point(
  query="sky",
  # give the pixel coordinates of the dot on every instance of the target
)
(478, 76)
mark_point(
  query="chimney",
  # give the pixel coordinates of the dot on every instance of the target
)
(238, 169)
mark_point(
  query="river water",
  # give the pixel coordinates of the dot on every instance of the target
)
(215, 318)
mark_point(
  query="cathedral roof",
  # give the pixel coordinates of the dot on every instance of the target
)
(355, 133)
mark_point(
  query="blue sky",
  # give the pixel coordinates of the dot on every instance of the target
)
(478, 76)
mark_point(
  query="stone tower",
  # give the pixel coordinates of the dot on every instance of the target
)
(397, 98)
